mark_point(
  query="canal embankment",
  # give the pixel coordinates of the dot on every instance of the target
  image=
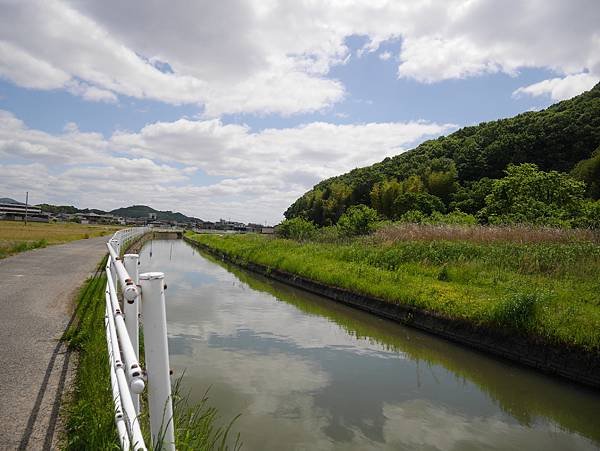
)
(534, 305)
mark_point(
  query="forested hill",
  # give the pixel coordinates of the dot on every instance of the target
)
(142, 211)
(456, 172)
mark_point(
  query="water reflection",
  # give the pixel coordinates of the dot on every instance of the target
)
(307, 373)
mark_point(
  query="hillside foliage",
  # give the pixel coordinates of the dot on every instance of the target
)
(496, 171)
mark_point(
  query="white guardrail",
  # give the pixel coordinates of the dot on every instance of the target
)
(128, 380)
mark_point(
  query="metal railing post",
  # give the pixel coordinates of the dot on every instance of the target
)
(115, 245)
(131, 308)
(157, 360)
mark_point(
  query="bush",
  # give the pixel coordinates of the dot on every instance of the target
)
(589, 217)
(327, 234)
(358, 220)
(453, 218)
(413, 216)
(296, 229)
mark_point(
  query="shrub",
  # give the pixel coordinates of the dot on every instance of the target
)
(413, 216)
(453, 218)
(589, 217)
(296, 229)
(444, 275)
(358, 220)
(327, 234)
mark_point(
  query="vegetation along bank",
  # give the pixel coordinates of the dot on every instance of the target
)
(528, 294)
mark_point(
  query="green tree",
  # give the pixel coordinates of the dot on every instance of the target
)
(442, 184)
(358, 220)
(423, 202)
(296, 229)
(471, 197)
(589, 215)
(588, 171)
(335, 202)
(383, 196)
(528, 195)
(413, 184)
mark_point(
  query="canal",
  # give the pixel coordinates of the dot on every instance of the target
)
(307, 373)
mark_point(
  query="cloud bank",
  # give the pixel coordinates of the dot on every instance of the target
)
(200, 167)
(238, 56)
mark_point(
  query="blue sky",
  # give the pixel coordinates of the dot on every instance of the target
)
(374, 94)
(101, 108)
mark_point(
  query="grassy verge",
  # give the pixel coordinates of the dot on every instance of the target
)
(547, 290)
(89, 414)
(17, 237)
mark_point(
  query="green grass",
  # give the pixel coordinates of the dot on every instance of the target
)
(547, 290)
(17, 237)
(89, 413)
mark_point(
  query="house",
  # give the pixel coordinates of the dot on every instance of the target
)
(11, 210)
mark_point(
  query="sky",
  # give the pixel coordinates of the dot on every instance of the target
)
(233, 109)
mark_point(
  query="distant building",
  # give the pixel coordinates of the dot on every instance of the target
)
(15, 211)
(94, 218)
(268, 230)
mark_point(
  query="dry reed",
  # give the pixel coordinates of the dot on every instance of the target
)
(483, 234)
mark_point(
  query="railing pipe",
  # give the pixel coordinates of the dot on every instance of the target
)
(111, 334)
(134, 370)
(116, 394)
(131, 314)
(125, 397)
(129, 289)
(157, 361)
(137, 438)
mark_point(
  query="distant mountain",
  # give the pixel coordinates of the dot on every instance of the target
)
(135, 211)
(68, 209)
(142, 211)
(8, 200)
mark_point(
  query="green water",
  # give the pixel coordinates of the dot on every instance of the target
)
(309, 374)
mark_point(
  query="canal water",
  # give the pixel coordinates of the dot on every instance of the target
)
(306, 373)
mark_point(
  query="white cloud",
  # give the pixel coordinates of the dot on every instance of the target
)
(560, 88)
(241, 56)
(253, 176)
(90, 93)
(385, 56)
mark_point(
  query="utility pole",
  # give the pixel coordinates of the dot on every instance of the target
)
(26, 207)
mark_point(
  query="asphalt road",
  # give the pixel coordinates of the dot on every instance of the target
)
(36, 293)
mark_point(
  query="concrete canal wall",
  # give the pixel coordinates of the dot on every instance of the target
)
(572, 363)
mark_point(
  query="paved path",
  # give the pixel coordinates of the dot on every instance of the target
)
(36, 290)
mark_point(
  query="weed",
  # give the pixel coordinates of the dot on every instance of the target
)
(443, 275)
(515, 311)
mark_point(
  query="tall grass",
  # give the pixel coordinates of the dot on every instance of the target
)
(545, 289)
(17, 237)
(483, 234)
(9, 248)
(90, 415)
